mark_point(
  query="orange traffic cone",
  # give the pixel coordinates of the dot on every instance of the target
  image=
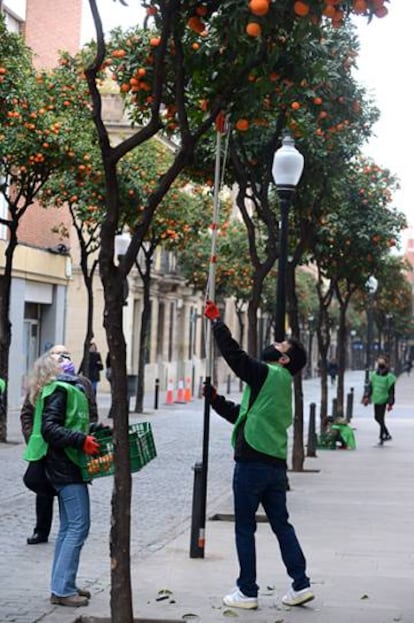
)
(170, 393)
(180, 391)
(187, 391)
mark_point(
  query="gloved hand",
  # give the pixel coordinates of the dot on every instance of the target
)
(365, 401)
(389, 407)
(212, 393)
(211, 311)
(90, 445)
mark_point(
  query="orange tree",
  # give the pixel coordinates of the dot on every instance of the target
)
(314, 94)
(35, 143)
(186, 47)
(392, 306)
(354, 239)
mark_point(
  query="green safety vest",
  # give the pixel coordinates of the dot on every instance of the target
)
(77, 419)
(270, 415)
(347, 434)
(2, 385)
(381, 384)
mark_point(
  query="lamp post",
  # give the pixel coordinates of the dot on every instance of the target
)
(287, 170)
(371, 287)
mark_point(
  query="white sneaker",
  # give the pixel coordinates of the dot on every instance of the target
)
(298, 598)
(238, 600)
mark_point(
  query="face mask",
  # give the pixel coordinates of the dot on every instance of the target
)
(381, 366)
(270, 353)
(67, 366)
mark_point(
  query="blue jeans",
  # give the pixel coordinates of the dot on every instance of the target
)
(74, 528)
(255, 483)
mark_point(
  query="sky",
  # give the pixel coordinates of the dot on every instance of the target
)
(384, 67)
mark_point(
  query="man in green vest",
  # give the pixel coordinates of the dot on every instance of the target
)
(260, 441)
(381, 392)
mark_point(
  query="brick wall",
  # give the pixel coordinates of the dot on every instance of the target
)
(35, 227)
(52, 25)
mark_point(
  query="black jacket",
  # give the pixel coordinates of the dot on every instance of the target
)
(27, 410)
(253, 372)
(59, 468)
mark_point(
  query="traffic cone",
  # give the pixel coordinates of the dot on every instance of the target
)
(187, 391)
(170, 393)
(180, 391)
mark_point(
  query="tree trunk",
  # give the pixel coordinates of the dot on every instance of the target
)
(121, 594)
(6, 327)
(341, 356)
(145, 336)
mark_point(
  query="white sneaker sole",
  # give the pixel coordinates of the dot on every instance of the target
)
(299, 601)
(245, 605)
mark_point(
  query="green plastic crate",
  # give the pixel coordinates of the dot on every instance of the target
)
(141, 451)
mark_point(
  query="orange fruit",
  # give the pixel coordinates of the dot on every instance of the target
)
(381, 11)
(360, 6)
(201, 10)
(242, 125)
(295, 105)
(329, 11)
(196, 24)
(253, 29)
(154, 41)
(259, 7)
(317, 101)
(301, 8)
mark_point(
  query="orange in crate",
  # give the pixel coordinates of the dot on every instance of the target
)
(141, 451)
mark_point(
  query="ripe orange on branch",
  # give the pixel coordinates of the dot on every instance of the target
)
(259, 7)
(242, 125)
(301, 8)
(253, 29)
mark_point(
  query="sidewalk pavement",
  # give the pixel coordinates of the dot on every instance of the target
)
(353, 512)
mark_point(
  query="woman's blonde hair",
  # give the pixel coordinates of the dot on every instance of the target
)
(45, 370)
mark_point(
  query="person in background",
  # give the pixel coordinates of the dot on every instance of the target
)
(44, 501)
(108, 376)
(95, 366)
(61, 433)
(333, 371)
(381, 393)
(260, 442)
(2, 392)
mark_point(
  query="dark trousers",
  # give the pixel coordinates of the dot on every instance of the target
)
(379, 414)
(44, 514)
(255, 483)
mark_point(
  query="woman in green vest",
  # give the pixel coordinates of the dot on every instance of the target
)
(60, 434)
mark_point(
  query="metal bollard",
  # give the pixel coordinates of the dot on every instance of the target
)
(197, 533)
(229, 383)
(312, 440)
(350, 405)
(157, 392)
(334, 407)
(200, 388)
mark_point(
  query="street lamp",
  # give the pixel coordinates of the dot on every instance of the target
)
(371, 287)
(286, 170)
